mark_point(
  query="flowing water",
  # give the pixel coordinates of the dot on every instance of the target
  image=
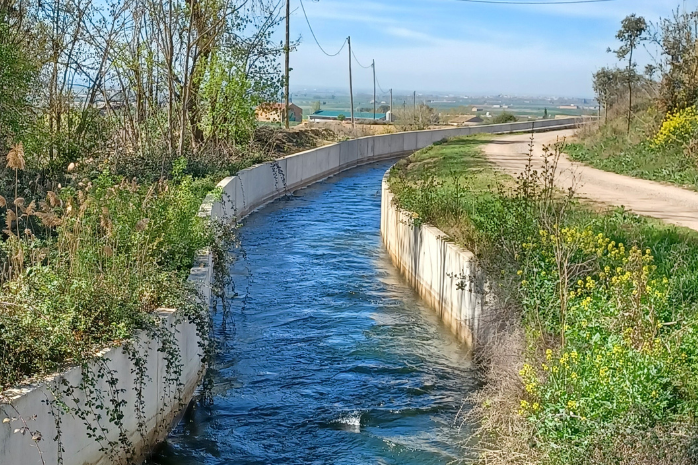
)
(329, 358)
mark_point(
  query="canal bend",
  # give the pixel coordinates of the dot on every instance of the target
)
(330, 358)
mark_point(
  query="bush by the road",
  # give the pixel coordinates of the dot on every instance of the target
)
(598, 358)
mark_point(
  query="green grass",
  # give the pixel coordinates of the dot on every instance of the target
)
(610, 149)
(607, 303)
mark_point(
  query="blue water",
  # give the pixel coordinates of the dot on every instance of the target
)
(329, 357)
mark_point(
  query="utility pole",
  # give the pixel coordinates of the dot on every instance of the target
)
(351, 89)
(373, 65)
(391, 106)
(414, 112)
(287, 118)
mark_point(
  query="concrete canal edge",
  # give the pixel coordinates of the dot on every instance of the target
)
(162, 405)
(445, 275)
(254, 187)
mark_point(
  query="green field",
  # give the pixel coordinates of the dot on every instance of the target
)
(446, 105)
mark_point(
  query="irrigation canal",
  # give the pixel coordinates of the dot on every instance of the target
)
(328, 356)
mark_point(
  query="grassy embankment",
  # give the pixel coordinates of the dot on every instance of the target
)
(673, 159)
(599, 359)
(84, 266)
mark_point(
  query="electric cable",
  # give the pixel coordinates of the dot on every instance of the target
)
(380, 88)
(315, 37)
(359, 63)
(527, 2)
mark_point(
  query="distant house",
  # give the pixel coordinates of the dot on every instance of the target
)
(569, 107)
(465, 120)
(115, 102)
(274, 112)
(324, 115)
(477, 109)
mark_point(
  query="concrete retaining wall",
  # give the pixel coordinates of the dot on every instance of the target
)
(444, 274)
(241, 194)
(162, 402)
(253, 187)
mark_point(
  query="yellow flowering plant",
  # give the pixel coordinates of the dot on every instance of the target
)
(678, 128)
(597, 375)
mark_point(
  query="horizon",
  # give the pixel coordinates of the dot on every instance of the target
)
(299, 88)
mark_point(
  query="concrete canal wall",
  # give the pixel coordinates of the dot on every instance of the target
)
(162, 404)
(444, 274)
(253, 187)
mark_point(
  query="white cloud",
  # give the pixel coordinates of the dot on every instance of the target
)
(411, 34)
(365, 12)
(614, 10)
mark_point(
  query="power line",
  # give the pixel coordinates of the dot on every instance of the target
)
(380, 88)
(357, 60)
(315, 37)
(555, 2)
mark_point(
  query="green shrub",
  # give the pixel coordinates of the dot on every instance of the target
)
(606, 303)
(678, 128)
(111, 254)
(504, 117)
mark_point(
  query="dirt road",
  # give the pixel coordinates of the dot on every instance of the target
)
(671, 204)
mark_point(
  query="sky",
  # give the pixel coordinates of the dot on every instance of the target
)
(463, 48)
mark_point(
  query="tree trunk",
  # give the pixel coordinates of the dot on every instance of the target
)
(630, 88)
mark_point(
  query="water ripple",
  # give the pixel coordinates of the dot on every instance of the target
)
(333, 360)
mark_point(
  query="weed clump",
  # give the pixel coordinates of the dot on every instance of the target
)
(86, 267)
(595, 355)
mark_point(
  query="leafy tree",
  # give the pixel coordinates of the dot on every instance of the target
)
(17, 74)
(609, 85)
(410, 118)
(229, 95)
(631, 33)
(383, 109)
(676, 38)
(545, 114)
(316, 106)
(504, 117)
(341, 117)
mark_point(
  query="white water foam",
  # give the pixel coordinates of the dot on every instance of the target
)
(350, 421)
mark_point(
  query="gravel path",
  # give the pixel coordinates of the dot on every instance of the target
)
(671, 204)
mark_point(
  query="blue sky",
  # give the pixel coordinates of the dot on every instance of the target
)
(452, 46)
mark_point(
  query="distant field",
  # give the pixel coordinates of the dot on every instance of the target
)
(521, 107)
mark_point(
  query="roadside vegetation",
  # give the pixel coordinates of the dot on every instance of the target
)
(649, 128)
(596, 358)
(505, 117)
